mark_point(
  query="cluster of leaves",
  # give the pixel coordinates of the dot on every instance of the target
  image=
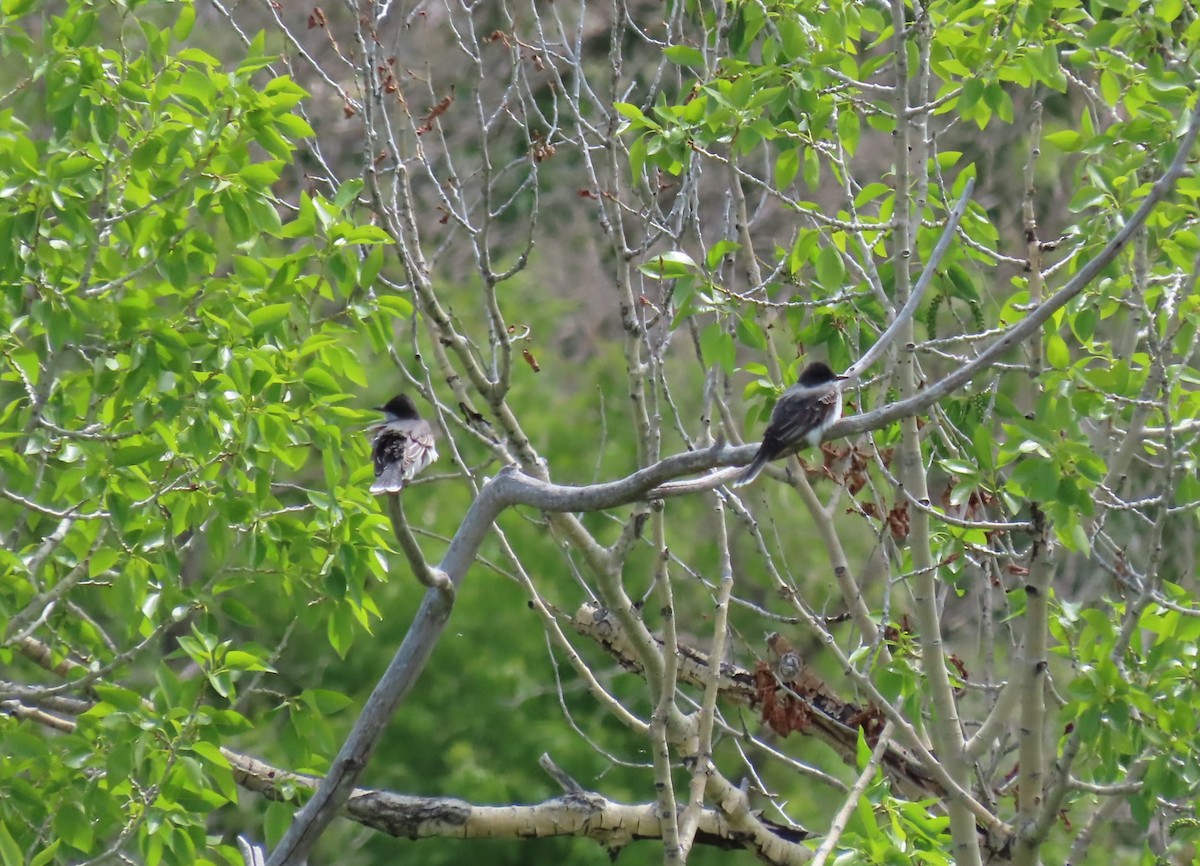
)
(801, 89)
(797, 101)
(179, 342)
(176, 389)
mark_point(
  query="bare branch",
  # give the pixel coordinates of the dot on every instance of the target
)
(914, 299)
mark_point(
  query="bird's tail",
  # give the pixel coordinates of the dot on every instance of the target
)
(390, 481)
(756, 466)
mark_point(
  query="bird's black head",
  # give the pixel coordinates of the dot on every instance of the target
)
(402, 407)
(817, 373)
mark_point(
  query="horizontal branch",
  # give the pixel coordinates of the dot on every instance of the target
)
(583, 814)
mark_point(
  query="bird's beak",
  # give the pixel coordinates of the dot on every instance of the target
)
(841, 378)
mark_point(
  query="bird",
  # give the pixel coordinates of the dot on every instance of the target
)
(403, 445)
(801, 416)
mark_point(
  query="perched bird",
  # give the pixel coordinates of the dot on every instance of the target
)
(801, 416)
(402, 447)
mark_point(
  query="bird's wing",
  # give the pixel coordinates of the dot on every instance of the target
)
(797, 414)
(420, 450)
(390, 446)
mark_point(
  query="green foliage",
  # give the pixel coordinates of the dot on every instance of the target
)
(190, 326)
(175, 379)
(787, 92)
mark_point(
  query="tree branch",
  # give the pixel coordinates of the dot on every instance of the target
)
(433, 578)
(577, 813)
(1032, 677)
(914, 299)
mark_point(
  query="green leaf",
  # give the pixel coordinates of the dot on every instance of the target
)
(751, 334)
(787, 166)
(10, 851)
(849, 130)
(716, 254)
(669, 266)
(1057, 353)
(273, 143)
(347, 194)
(130, 455)
(684, 55)
(339, 629)
(812, 168)
(1075, 538)
(961, 284)
(297, 127)
(222, 683)
(633, 113)
(371, 266)
(46, 855)
(1167, 10)
(997, 99)
(717, 347)
(863, 750)
(1083, 324)
(637, 157)
(833, 27)
(265, 318)
(870, 192)
(277, 821)
(1110, 87)
(1038, 480)
(211, 753)
(983, 446)
(195, 55)
(972, 92)
(244, 661)
(398, 306)
(104, 559)
(959, 467)
(792, 36)
(831, 273)
(1068, 140)
(253, 64)
(184, 23)
(74, 827)
(325, 702)
(320, 382)
(1041, 478)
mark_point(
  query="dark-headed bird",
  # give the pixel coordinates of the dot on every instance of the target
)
(801, 416)
(402, 447)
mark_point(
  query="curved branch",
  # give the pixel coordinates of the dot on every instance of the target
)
(910, 307)
(431, 577)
